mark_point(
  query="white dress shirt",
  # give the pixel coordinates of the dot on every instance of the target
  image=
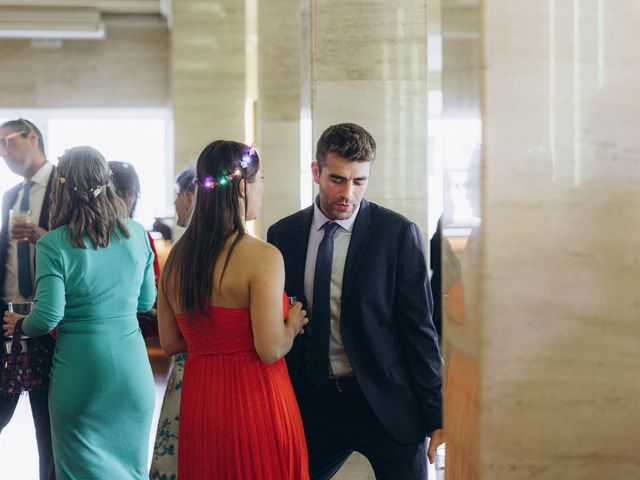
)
(36, 199)
(338, 360)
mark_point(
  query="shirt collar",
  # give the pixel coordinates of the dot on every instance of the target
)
(319, 218)
(41, 177)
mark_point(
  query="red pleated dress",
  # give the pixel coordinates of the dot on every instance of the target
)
(239, 418)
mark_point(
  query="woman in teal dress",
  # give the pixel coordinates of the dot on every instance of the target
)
(94, 272)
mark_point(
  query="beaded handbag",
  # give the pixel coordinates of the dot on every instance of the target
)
(25, 365)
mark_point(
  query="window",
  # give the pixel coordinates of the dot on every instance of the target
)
(141, 137)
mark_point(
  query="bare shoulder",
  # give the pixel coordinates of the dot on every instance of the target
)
(261, 255)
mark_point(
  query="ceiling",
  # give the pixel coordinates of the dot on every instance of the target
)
(70, 19)
(103, 6)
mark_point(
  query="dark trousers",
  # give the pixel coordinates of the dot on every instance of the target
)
(39, 401)
(338, 421)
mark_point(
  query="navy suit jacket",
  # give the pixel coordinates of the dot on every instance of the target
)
(385, 317)
(8, 200)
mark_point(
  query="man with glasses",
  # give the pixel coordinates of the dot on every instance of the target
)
(22, 149)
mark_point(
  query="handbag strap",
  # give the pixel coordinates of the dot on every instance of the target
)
(17, 332)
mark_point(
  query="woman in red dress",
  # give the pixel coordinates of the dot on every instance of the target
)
(221, 300)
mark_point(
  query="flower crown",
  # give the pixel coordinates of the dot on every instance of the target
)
(209, 183)
(94, 190)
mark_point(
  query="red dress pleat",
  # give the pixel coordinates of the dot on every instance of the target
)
(239, 418)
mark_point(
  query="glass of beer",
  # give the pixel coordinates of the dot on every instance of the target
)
(21, 308)
(19, 217)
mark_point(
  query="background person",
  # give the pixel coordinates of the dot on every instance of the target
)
(22, 149)
(94, 271)
(165, 451)
(127, 186)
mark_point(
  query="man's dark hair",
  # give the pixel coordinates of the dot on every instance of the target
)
(185, 178)
(347, 140)
(25, 126)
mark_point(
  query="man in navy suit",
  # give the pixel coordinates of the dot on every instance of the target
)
(367, 371)
(22, 149)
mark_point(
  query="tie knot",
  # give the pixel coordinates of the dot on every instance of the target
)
(330, 228)
(27, 185)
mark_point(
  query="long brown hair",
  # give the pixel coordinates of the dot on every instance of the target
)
(83, 199)
(216, 217)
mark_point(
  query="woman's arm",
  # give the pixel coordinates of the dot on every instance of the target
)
(171, 338)
(147, 296)
(272, 336)
(50, 291)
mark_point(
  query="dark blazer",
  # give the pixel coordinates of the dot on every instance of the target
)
(8, 200)
(385, 317)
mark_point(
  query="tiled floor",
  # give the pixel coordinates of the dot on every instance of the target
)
(19, 455)
(18, 450)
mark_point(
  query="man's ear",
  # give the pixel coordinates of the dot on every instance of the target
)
(315, 170)
(33, 139)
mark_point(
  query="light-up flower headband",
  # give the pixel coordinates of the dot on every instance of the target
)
(209, 183)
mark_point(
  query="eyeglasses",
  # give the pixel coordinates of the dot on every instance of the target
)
(4, 141)
(27, 124)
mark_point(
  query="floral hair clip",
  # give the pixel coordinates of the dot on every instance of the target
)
(247, 158)
(95, 190)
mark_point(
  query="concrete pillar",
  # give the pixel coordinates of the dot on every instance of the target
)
(278, 110)
(367, 64)
(541, 330)
(208, 74)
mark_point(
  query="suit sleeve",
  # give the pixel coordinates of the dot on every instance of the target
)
(270, 235)
(7, 202)
(148, 290)
(50, 291)
(413, 310)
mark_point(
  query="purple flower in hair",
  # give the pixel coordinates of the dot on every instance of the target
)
(247, 158)
(208, 183)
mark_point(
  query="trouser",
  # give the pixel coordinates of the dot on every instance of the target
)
(338, 421)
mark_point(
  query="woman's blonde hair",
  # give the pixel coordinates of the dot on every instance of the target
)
(83, 199)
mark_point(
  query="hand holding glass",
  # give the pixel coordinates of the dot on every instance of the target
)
(19, 218)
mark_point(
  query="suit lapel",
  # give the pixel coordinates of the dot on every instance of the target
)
(299, 250)
(8, 201)
(43, 221)
(359, 238)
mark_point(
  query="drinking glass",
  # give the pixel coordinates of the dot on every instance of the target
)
(439, 462)
(21, 308)
(19, 217)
